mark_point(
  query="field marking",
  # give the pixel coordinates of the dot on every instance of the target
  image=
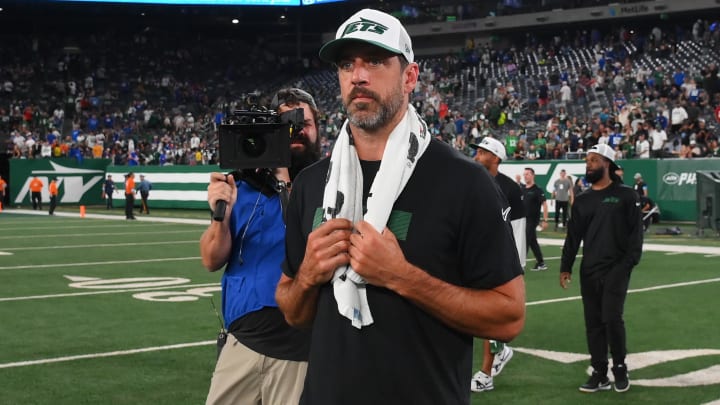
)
(170, 347)
(651, 247)
(703, 377)
(550, 242)
(112, 217)
(55, 265)
(101, 245)
(632, 291)
(211, 342)
(65, 235)
(106, 354)
(124, 290)
(105, 226)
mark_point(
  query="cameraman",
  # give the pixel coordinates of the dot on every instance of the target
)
(264, 359)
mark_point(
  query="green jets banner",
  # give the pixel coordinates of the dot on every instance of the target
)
(79, 184)
(671, 182)
(172, 186)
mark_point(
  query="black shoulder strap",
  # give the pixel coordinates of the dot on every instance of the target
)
(265, 181)
(284, 200)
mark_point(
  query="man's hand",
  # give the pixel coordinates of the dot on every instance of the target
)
(326, 250)
(223, 188)
(565, 279)
(375, 256)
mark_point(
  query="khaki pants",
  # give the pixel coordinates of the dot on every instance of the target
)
(245, 377)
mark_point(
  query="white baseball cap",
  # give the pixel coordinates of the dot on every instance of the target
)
(493, 146)
(604, 150)
(374, 27)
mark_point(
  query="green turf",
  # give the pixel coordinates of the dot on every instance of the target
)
(43, 318)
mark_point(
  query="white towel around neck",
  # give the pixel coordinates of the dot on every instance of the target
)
(343, 198)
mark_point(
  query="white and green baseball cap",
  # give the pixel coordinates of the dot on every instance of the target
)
(374, 27)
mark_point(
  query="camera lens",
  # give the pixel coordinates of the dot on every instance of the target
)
(253, 146)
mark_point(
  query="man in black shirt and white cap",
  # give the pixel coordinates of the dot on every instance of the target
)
(606, 218)
(490, 153)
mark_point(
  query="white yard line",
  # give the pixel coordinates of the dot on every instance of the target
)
(652, 247)
(45, 266)
(171, 242)
(106, 354)
(66, 235)
(632, 291)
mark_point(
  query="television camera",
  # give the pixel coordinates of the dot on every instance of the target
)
(254, 141)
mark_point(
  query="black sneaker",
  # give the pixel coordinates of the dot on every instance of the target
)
(596, 383)
(622, 380)
(539, 267)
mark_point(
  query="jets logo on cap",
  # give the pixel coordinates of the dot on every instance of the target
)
(365, 25)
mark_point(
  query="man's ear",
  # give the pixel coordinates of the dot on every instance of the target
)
(411, 74)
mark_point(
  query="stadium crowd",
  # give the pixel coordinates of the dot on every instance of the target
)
(150, 99)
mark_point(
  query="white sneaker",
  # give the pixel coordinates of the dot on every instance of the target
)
(501, 359)
(481, 382)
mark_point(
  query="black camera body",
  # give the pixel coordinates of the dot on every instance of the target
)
(258, 138)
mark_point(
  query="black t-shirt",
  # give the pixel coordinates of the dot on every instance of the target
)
(533, 197)
(448, 221)
(609, 224)
(514, 196)
(265, 331)
(640, 188)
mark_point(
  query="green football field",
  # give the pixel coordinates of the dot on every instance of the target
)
(103, 310)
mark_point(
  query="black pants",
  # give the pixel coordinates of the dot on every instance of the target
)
(108, 200)
(144, 196)
(561, 205)
(532, 242)
(36, 198)
(129, 203)
(603, 298)
(53, 203)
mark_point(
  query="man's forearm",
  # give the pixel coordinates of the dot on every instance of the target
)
(297, 302)
(497, 314)
(215, 245)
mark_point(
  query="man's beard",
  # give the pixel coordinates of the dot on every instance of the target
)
(369, 121)
(593, 176)
(302, 158)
